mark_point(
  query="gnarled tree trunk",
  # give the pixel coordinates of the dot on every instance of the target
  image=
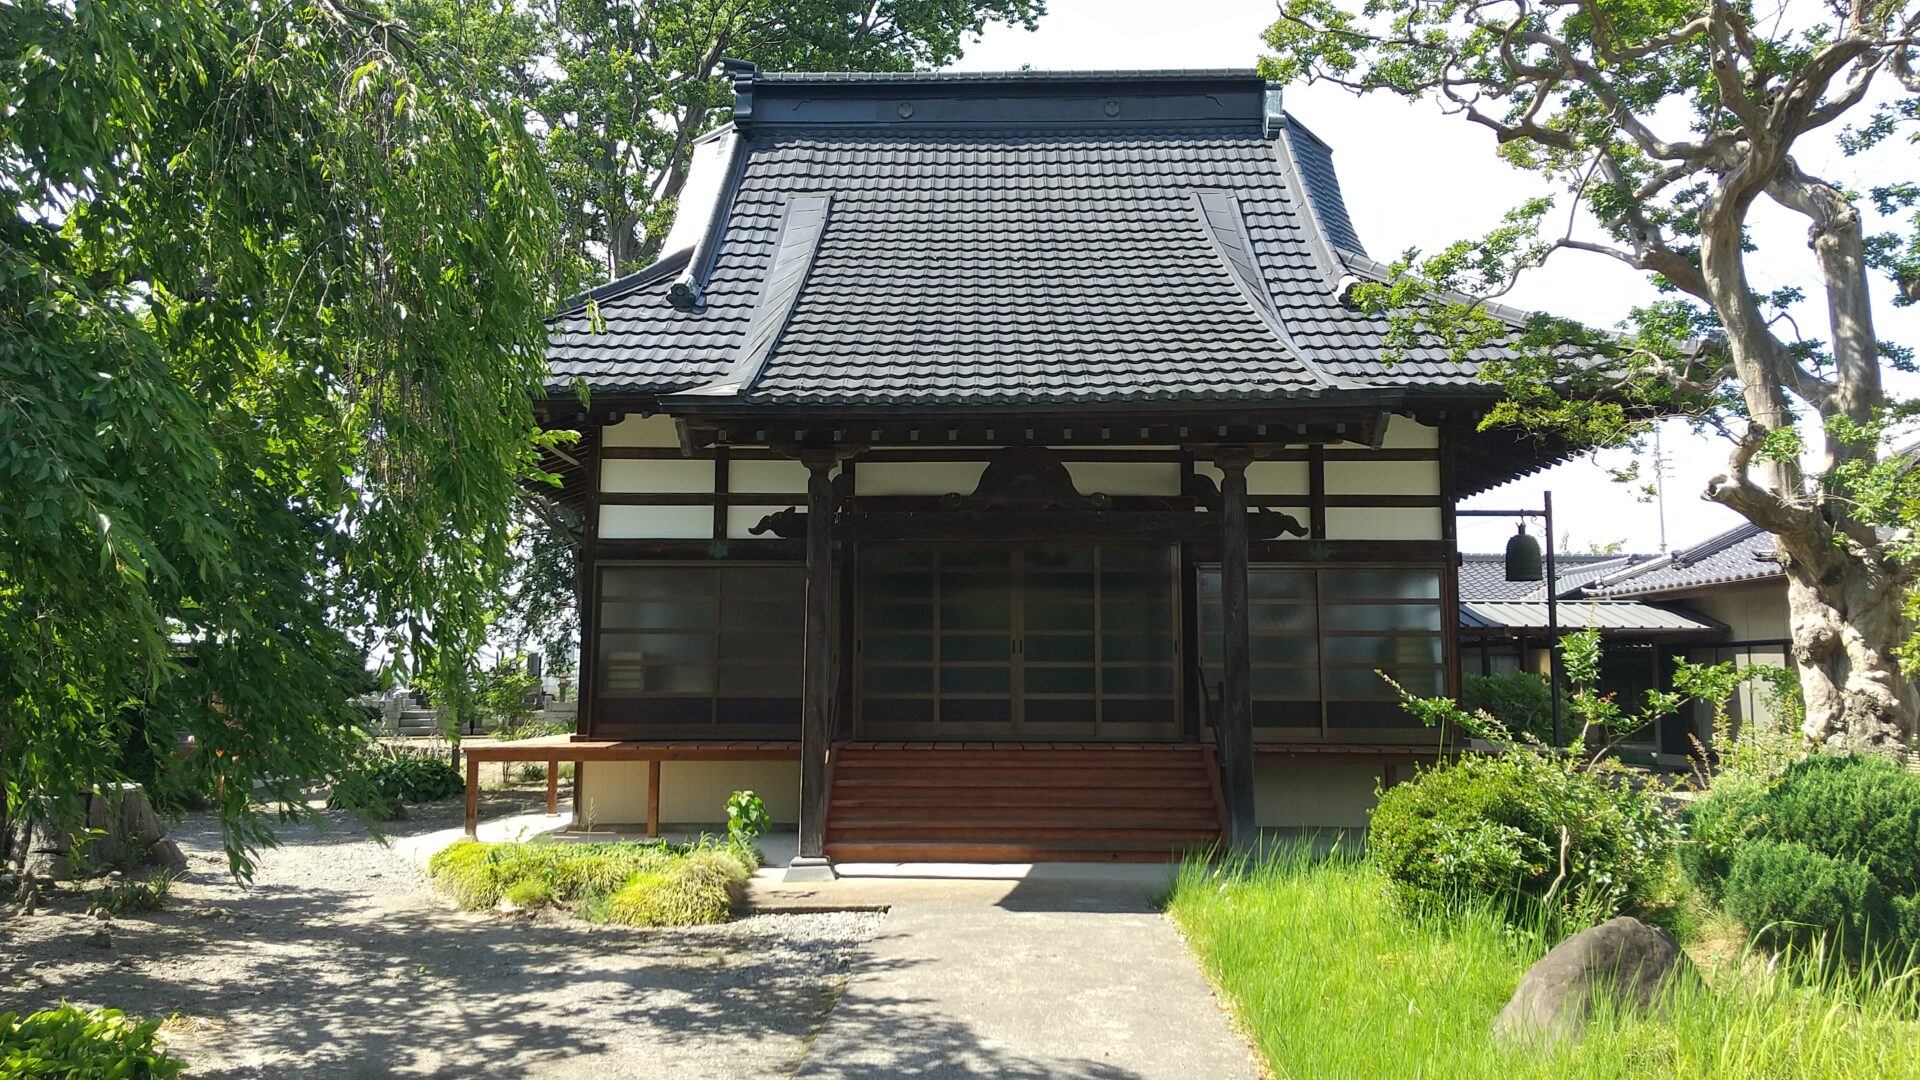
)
(1846, 612)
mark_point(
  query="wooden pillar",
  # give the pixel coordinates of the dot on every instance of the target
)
(1235, 732)
(473, 796)
(653, 797)
(553, 788)
(816, 705)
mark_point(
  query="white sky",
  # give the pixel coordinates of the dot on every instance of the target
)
(1414, 177)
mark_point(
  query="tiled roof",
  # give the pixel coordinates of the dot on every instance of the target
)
(972, 254)
(1484, 577)
(1618, 616)
(1740, 554)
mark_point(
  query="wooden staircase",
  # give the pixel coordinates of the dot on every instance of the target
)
(1021, 803)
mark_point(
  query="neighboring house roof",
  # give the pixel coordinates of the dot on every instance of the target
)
(1744, 553)
(1484, 577)
(1620, 617)
(1019, 239)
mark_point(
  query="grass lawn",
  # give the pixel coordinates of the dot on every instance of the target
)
(634, 883)
(1331, 979)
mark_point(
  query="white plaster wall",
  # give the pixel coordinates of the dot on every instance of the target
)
(1126, 477)
(656, 475)
(1754, 612)
(1383, 477)
(656, 430)
(1382, 523)
(691, 792)
(1277, 478)
(917, 477)
(1406, 433)
(656, 522)
(1313, 794)
(781, 475)
(742, 519)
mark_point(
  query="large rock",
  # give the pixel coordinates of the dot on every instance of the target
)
(121, 831)
(1622, 957)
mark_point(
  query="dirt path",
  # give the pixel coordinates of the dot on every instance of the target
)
(341, 961)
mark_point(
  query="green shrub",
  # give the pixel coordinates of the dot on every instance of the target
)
(70, 1043)
(1519, 700)
(747, 817)
(699, 888)
(1493, 826)
(383, 781)
(530, 892)
(1830, 847)
(1790, 894)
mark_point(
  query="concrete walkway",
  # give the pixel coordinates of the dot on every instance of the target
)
(1063, 972)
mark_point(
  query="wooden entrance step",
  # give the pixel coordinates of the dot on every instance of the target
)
(1001, 803)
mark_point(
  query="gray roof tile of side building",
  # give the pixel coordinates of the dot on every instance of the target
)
(1483, 576)
(1019, 239)
(1743, 553)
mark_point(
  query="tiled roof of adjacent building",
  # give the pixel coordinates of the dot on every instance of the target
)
(1478, 618)
(1739, 554)
(1022, 239)
(1484, 577)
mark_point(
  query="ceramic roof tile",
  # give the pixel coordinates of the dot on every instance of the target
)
(1017, 262)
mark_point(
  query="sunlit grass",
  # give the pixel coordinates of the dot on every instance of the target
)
(1330, 978)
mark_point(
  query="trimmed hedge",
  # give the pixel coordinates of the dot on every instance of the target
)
(1491, 825)
(1830, 851)
(382, 782)
(633, 883)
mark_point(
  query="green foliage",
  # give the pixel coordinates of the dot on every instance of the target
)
(502, 693)
(71, 1043)
(1329, 978)
(747, 817)
(382, 781)
(641, 883)
(1828, 850)
(272, 282)
(1519, 700)
(1506, 828)
(134, 896)
(698, 888)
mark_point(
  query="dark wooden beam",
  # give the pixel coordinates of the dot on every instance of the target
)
(1317, 493)
(816, 708)
(1235, 733)
(587, 576)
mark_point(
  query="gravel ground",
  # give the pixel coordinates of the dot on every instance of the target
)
(341, 961)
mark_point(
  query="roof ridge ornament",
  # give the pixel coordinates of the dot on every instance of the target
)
(1273, 115)
(742, 74)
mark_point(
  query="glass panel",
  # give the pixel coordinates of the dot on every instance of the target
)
(1136, 680)
(657, 582)
(972, 680)
(1281, 618)
(1381, 585)
(1134, 586)
(983, 558)
(1275, 584)
(775, 646)
(1383, 617)
(898, 647)
(1285, 682)
(1041, 616)
(976, 711)
(761, 614)
(1362, 682)
(899, 617)
(1384, 651)
(896, 710)
(996, 615)
(1136, 618)
(771, 681)
(1060, 648)
(1118, 648)
(1126, 711)
(632, 648)
(897, 680)
(656, 679)
(1135, 558)
(1059, 559)
(899, 586)
(896, 558)
(1054, 588)
(1061, 711)
(1289, 714)
(976, 647)
(651, 615)
(764, 582)
(1073, 680)
(1282, 650)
